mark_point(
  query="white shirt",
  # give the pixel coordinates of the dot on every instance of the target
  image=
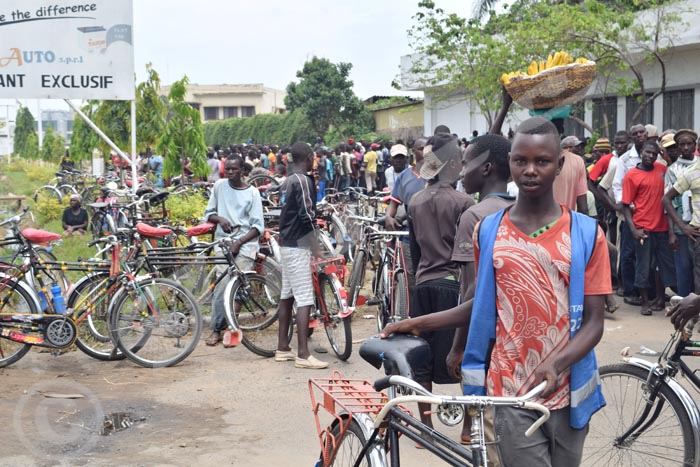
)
(627, 161)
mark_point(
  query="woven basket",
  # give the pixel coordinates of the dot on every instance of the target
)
(554, 87)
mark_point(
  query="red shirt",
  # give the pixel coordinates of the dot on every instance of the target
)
(645, 189)
(600, 168)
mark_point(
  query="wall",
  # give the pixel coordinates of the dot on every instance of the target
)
(401, 122)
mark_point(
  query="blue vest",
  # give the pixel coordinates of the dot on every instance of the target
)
(586, 394)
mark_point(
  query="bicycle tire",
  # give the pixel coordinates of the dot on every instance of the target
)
(350, 447)
(66, 191)
(669, 441)
(400, 302)
(357, 276)
(379, 288)
(270, 197)
(258, 315)
(339, 235)
(93, 332)
(338, 329)
(156, 317)
(55, 275)
(46, 192)
(14, 299)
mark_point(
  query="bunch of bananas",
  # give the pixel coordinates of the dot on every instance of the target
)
(558, 59)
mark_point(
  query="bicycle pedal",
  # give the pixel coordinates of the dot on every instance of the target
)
(314, 323)
(373, 301)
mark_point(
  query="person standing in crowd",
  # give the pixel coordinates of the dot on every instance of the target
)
(408, 183)
(155, 165)
(682, 254)
(236, 209)
(433, 214)
(563, 264)
(687, 182)
(297, 225)
(322, 171)
(643, 188)
(571, 186)
(625, 163)
(369, 162)
(398, 164)
(345, 168)
(213, 164)
(75, 217)
(485, 171)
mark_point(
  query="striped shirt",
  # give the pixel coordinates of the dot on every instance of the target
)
(690, 180)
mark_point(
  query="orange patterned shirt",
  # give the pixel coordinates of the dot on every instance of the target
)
(532, 301)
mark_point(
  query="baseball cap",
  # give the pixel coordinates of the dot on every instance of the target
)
(442, 150)
(398, 150)
(668, 140)
(571, 141)
(602, 144)
(685, 132)
(652, 131)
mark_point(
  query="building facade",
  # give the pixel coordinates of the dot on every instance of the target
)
(223, 101)
(678, 107)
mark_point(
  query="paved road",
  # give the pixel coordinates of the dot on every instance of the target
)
(219, 407)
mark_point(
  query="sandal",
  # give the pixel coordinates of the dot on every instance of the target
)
(646, 311)
(213, 339)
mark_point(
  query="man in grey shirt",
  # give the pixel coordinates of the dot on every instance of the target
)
(236, 208)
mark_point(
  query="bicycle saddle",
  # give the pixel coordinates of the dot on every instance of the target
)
(401, 354)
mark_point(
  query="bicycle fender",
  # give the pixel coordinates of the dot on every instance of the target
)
(688, 402)
(347, 310)
(227, 303)
(24, 286)
(376, 454)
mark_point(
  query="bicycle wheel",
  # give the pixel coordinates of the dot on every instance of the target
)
(46, 193)
(14, 299)
(337, 328)
(380, 286)
(55, 274)
(267, 185)
(255, 301)
(93, 331)
(158, 324)
(357, 277)
(350, 447)
(339, 236)
(668, 441)
(399, 296)
(66, 191)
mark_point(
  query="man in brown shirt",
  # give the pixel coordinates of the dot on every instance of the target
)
(485, 170)
(433, 216)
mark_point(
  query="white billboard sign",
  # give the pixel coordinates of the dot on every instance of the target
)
(66, 49)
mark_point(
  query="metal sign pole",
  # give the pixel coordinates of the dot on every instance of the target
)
(134, 159)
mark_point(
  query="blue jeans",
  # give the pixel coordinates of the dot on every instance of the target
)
(321, 190)
(627, 260)
(684, 266)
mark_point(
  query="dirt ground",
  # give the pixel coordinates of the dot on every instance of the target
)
(219, 407)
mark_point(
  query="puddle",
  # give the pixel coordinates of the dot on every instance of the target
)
(119, 421)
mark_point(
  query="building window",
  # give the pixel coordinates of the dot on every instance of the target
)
(572, 127)
(211, 113)
(605, 116)
(248, 111)
(678, 109)
(230, 112)
(632, 104)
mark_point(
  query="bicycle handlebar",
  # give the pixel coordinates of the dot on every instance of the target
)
(524, 401)
(16, 218)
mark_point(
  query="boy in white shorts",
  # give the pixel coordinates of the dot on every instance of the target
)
(297, 241)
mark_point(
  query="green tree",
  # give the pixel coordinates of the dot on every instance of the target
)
(454, 53)
(24, 129)
(151, 111)
(114, 119)
(53, 146)
(183, 135)
(324, 94)
(84, 140)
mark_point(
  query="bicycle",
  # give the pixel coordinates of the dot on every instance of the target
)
(390, 284)
(330, 310)
(650, 418)
(366, 422)
(94, 309)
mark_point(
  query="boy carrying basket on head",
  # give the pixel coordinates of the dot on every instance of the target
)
(542, 274)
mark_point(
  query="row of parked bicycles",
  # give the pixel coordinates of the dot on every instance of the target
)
(144, 292)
